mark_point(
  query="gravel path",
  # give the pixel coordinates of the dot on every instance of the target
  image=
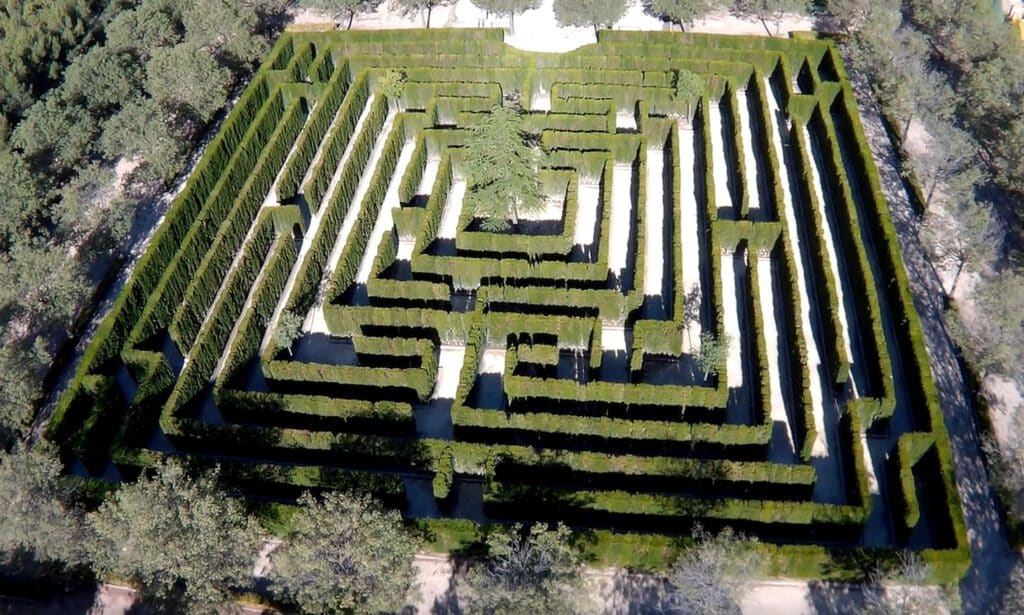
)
(981, 590)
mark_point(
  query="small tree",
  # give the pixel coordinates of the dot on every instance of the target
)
(714, 352)
(509, 8)
(391, 86)
(412, 7)
(527, 571)
(904, 590)
(340, 9)
(710, 577)
(501, 170)
(1006, 465)
(36, 513)
(345, 554)
(683, 12)
(949, 161)
(961, 237)
(289, 329)
(590, 13)
(687, 88)
(994, 339)
(182, 538)
(769, 11)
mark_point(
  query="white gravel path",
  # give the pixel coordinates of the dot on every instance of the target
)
(813, 354)
(780, 411)
(314, 224)
(749, 156)
(405, 249)
(385, 218)
(654, 224)
(492, 361)
(732, 263)
(449, 368)
(429, 175)
(315, 321)
(723, 194)
(625, 120)
(823, 195)
(621, 229)
(588, 198)
(541, 101)
(452, 210)
(613, 338)
(689, 234)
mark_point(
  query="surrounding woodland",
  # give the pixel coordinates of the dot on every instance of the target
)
(101, 103)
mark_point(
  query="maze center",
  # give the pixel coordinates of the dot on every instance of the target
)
(555, 371)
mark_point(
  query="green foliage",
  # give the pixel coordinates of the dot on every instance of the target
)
(994, 342)
(36, 509)
(412, 7)
(589, 13)
(187, 81)
(534, 570)
(180, 537)
(345, 553)
(339, 9)
(714, 352)
(770, 11)
(683, 12)
(711, 575)
(501, 171)
(36, 39)
(289, 329)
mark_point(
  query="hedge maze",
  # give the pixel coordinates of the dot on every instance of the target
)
(552, 372)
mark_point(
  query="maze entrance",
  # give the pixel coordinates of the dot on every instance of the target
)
(553, 372)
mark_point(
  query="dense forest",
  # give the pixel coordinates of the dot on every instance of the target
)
(88, 84)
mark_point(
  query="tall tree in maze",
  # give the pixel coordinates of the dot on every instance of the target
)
(341, 9)
(590, 13)
(289, 329)
(710, 576)
(714, 352)
(391, 86)
(411, 7)
(345, 554)
(182, 538)
(501, 170)
(528, 571)
(769, 11)
(683, 12)
(688, 88)
(509, 8)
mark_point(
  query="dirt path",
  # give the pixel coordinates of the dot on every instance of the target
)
(992, 556)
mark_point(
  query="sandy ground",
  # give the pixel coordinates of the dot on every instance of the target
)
(449, 368)
(613, 338)
(690, 235)
(385, 218)
(749, 157)
(315, 322)
(824, 200)
(719, 168)
(492, 361)
(588, 198)
(622, 206)
(312, 228)
(732, 263)
(541, 101)
(783, 449)
(452, 210)
(654, 224)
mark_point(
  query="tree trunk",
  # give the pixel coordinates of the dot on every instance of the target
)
(351, 16)
(764, 23)
(906, 128)
(511, 23)
(931, 192)
(956, 278)
(430, 9)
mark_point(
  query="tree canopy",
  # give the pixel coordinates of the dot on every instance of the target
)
(181, 537)
(683, 12)
(527, 571)
(589, 13)
(710, 577)
(36, 513)
(502, 170)
(345, 554)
